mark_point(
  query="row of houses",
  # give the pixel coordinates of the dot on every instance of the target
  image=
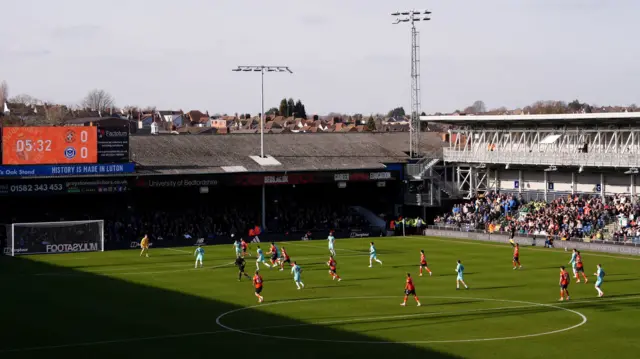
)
(201, 122)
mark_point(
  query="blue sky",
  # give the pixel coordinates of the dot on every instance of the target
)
(346, 55)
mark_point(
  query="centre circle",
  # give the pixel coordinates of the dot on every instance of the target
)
(582, 317)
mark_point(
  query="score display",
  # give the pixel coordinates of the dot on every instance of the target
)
(49, 145)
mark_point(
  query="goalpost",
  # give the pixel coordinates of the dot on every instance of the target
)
(55, 237)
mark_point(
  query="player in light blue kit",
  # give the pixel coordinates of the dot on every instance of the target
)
(460, 279)
(600, 275)
(296, 270)
(332, 241)
(574, 263)
(238, 247)
(261, 259)
(373, 256)
(199, 253)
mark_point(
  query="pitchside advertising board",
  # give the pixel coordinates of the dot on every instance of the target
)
(64, 151)
(264, 179)
(64, 186)
(121, 185)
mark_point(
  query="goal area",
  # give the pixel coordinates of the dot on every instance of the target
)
(55, 237)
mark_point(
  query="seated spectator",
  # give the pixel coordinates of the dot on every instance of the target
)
(573, 216)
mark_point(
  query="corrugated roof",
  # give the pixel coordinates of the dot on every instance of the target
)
(296, 152)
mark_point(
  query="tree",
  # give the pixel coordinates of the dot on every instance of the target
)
(98, 100)
(397, 112)
(56, 115)
(25, 99)
(299, 110)
(4, 93)
(371, 124)
(575, 106)
(291, 107)
(283, 110)
(273, 112)
(479, 106)
(476, 108)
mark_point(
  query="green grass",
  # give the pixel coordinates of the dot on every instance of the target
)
(116, 304)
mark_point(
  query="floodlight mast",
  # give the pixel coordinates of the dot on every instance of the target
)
(262, 69)
(412, 17)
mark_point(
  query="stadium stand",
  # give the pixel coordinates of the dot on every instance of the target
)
(573, 216)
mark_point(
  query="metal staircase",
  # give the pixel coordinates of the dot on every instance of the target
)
(429, 172)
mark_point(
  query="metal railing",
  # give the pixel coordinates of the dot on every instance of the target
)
(469, 229)
(627, 247)
(544, 158)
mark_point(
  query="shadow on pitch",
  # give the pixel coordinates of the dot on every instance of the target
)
(103, 317)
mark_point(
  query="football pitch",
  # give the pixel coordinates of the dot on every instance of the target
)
(118, 304)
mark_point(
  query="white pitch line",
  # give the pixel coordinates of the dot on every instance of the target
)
(430, 314)
(187, 335)
(480, 243)
(404, 316)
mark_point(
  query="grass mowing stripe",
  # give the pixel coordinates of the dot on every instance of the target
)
(403, 316)
(177, 250)
(127, 271)
(325, 248)
(185, 335)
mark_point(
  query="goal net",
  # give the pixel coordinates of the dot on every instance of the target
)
(55, 237)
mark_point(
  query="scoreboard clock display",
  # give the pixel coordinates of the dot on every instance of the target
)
(49, 145)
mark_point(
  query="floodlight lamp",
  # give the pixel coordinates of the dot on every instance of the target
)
(427, 12)
(247, 69)
(426, 19)
(395, 14)
(406, 13)
(236, 70)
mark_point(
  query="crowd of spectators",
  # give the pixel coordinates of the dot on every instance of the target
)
(208, 221)
(571, 216)
(174, 218)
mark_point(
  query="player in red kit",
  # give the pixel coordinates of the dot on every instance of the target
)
(257, 283)
(332, 268)
(284, 258)
(423, 263)
(244, 247)
(410, 289)
(580, 268)
(516, 257)
(564, 284)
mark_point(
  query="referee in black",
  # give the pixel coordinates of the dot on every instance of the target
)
(241, 263)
